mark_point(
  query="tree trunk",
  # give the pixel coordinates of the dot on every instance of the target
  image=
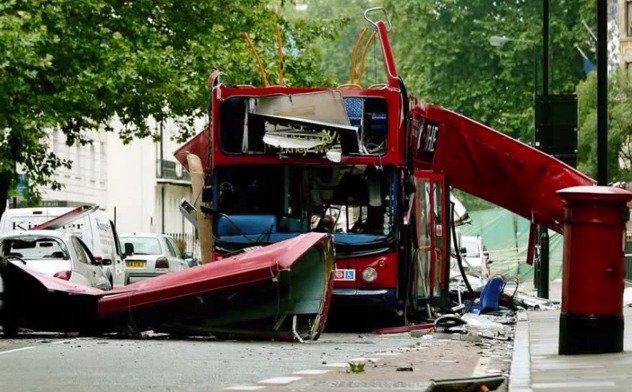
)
(5, 183)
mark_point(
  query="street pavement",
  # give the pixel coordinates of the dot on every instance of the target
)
(537, 367)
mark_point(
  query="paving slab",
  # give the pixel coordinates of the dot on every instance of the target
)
(537, 367)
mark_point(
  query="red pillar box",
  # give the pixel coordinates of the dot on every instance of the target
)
(591, 321)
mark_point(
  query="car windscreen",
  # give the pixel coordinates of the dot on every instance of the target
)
(143, 245)
(34, 248)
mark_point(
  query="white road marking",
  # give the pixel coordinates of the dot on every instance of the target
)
(479, 369)
(310, 372)
(279, 380)
(362, 359)
(337, 365)
(64, 341)
(16, 350)
(244, 388)
(576, 384)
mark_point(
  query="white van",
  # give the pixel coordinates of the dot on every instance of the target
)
(475, 254)
(94, 228)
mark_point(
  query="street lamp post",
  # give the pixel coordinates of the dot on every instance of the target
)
(541, 264)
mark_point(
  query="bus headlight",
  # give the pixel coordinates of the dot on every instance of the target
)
(369, 274)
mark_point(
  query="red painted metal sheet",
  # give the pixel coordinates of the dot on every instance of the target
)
(62, 220)
(404, 328)
(433, 237)
(197, 145)
(389, 62)
(40, 302)
(243, 269)
(490, 165)
(59, 285)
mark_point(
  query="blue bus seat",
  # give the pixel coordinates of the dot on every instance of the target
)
(490, 296)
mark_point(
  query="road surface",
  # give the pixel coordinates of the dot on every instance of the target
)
(401, 361)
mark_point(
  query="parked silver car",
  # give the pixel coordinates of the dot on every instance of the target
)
(150, 254)
(55, 253)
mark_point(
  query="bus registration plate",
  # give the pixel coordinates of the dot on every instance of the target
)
(344, 274)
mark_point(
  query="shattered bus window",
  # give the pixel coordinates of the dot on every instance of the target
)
(294, 125)
(267, 203)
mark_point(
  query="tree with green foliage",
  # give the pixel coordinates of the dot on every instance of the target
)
(444, 55)
(443, 52)
(348, 20)
(74, 65)
(619, 164)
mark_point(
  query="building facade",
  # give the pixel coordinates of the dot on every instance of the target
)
(625, 34)
(139, 184)
(87, 180)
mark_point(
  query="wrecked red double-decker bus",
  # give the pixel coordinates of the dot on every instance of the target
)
(366, 172)
(372, 166)
(292, 161)
(285, 161)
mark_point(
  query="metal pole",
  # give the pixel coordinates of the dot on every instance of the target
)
(542, 273)
(535, 79)
(162, 208)
(162, 175)
(602, 93)
(545, 50)
(543, 286)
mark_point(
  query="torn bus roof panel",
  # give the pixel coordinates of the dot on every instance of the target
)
(281, 291)
(70, 216)
(494, 167)
(51, 283)
(322, 106)
(41, 302)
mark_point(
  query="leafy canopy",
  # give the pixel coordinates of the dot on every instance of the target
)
(445, 56)
(443, 53)
(74, 65)
(619, 162)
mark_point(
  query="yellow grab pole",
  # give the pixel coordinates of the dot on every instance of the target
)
(279, 55)
(364, 51)
(262, 72)
(354, 55)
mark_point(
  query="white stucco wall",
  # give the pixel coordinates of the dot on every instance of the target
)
(122, 180)
(135, 191)
(131, 184)
(87, 180)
